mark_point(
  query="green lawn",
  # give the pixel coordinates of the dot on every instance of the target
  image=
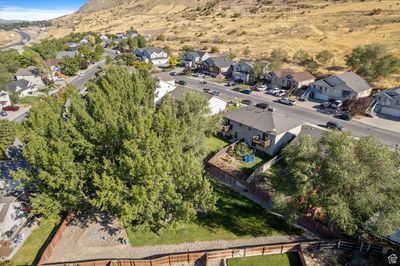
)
(214, 144)
(29, 100)
(32, 248)
(235, 217)
(287, 259)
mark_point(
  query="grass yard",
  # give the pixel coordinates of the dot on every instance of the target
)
(33, 246)
(287, 259)
(29, 100)
(214, 144)
(235, 217)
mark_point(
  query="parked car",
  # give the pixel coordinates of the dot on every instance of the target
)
(246, 91)
(247, 102)
(262, 105)
(272, 91)
(279, 93)
(344, 116)
(230, 84)
(181, 82)
(173, 73)
(3, 113)
(334, 125)
(216, 93)
(336, 102)
(325, 105)
(207, 90)
(80, 74)
(237, 89)
(262, 88)
(286, 101)
(11, 108)
(203, 82)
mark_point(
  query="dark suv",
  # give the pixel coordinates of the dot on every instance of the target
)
(334, 125)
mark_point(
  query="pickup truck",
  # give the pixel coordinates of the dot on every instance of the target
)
(11, 108)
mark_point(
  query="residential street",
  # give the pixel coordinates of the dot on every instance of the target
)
(387, 133)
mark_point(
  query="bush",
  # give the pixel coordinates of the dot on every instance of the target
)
(240, 150)
(214, 50)
(324, 57)
(279, 54)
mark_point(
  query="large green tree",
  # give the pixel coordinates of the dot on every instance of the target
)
(70, 65)
(7, 135)
(354, 182)
(115, 152)
(373, 61)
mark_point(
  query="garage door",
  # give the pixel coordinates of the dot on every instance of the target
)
(390, 111)
(319, 96)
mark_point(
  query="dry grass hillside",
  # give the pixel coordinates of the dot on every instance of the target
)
(248, 28)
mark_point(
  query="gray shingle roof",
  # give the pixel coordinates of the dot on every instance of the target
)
(62, 54)
(29, 71)
(180, 91)
(22, 83)
(5, 203)
(219, 61)
(391, 93)
(350, 79)
(263, 120)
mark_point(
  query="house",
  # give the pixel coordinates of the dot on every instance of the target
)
(216, 66)
(163, 88)
(62, 54)
(388, 102)
(340, 87)
(215, 104)
(72, 46)
(192, 58)
(22, 87)
(241, 71)
(11, 216)
(30, 74)
(155, 56)
(4, 99)
(263, 130)
(288, 78)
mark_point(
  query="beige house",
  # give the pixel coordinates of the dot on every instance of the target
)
(263, 130)
(388, 102)
(288, 78)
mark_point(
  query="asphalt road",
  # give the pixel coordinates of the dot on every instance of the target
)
(387, 137)
(25, 38)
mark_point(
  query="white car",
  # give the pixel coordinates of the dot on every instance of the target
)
(81, 74)
(263, 87)
(273, 91)
(279, 93)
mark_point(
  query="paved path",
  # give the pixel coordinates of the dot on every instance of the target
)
(25, 39)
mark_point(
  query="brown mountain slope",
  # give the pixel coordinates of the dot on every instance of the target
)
(250, 28)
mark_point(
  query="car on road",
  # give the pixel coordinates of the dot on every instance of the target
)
(286, 101)
(230, 84)
(262, 105)
(247, 102)
(81, 74)
(344, 116)
(3, 113)
(279, 93)
(203, 82)
(11, 108)
(173, 73)
(246, 91)
(207, 90)
(198, 75)
(181, 82)
(261, 88)
(216, 93)
(237, 89)
(272, 91)
(334, 125)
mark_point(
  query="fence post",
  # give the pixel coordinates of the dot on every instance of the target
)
(281, 249)
(263, 251)
(319, 246)
(188, 257)
(245, 250)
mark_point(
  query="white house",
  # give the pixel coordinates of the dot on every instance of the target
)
(155, 56)
(340, 87)
(22, 87)
(215, 104)
(163, 88)
(261, 129)
(192, 58)
(287, 78)
(11, 216)
(388, 102)
(4, 99)
(30, 74)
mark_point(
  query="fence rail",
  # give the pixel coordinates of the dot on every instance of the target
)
(238, 252)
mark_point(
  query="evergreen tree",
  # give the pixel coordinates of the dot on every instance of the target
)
(7, 136)
(114, 151)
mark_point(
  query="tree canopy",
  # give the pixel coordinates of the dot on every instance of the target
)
(7, 135)
(373, 61)
(355, 183)
(115, 152)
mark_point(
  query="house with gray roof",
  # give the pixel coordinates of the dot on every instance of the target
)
(388, 102)
(241, 71)
(155, 56)
(216, 66)
(340, 87)
(261, 129)
(4, 99)
(32, 75)
(215, 103)
(191, 59)
(11, 216)
(62, 54)
(21, 87)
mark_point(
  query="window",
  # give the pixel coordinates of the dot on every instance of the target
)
(249, 128)
(346, 93)
(398, 102)
(240, 125)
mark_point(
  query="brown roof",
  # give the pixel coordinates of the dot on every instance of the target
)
(302, 76)
(53, 62)
(283, 72)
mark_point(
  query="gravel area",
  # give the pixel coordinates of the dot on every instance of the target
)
(99, 240)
